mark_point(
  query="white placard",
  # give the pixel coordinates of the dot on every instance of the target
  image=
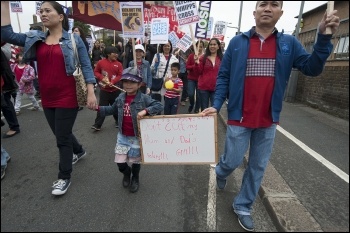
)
(159, 30)
(16, 7)
(186, 12)
(184, 43)
(174, 39)
(179, 139)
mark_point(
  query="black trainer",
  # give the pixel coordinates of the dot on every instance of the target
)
(77, 157)
(60, 186)
(134, 184)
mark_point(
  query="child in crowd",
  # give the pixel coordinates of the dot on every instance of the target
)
(25, 75)
(130, 106)
(173, 86)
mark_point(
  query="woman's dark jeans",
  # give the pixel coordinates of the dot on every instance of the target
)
(193, 95)
(206, 96)
(61, 122)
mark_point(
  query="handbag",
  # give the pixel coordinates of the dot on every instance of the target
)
(157, 83)
(80, 84)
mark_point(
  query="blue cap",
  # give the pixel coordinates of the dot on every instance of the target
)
(131, 75)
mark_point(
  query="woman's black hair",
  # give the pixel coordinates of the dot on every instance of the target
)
(59, 9)
(207, 51)
(162, 45)
(82, 34)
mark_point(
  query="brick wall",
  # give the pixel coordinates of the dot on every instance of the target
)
(328, 92)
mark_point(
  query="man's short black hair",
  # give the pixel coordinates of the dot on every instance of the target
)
(110, 49)
(176, 65)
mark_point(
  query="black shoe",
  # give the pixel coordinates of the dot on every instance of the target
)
(126, 180)
(96, 128)
(78, 156)
(10, 133)
(3, 171)
(190, 108)
(80, 108)
(134, 184)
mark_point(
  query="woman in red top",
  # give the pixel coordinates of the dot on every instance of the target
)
(54, 55)
(192, 76)
(208, 67)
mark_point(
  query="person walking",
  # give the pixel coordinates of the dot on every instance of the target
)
(143, 68)
(108, 71)
(193, 75)
(164, 59)
(79, 31)
(34, 65)
(127, 54)
(130, 106)
(8, 86)
(55, 59)
(25, 76)
(182, 57)
(173, 92)
(208, 67)
(256, 95)
(96, 53)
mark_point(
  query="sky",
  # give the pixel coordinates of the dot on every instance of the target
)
(221, 11)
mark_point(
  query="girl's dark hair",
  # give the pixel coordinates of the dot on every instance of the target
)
(59, 9)
(82, 34)
(19, 54)
(191, 49)
(207, 51)
(162, 45)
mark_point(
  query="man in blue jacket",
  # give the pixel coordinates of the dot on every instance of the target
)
(254, 74)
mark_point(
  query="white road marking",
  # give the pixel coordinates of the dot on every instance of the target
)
(316, 155)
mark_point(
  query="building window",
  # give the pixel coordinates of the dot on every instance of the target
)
(342, 48)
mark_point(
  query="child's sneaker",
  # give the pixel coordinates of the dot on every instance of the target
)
(60, 186)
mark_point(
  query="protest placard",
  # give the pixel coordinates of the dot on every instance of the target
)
(132, 19)
(179, 139)
(159, 30)
(186, 12)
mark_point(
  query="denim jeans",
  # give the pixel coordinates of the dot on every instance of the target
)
(61, 122)
(171, 105)
(205, 97)
(192, 89)
(260, 142)
(4, 157)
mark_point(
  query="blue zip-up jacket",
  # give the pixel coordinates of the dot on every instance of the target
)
(290, 54)
(146, 72)
(28, 41)
(141, 102)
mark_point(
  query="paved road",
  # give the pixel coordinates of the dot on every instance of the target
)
(306, 196)
(171, 197)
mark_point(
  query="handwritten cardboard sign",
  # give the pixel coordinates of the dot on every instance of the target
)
(179, 139)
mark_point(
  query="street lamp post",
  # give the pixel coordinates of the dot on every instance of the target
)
(239, 20)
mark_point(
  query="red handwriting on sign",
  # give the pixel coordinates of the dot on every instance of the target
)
(160, 156)
(190, 150)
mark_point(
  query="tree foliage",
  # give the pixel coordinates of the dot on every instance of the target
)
(85, 27)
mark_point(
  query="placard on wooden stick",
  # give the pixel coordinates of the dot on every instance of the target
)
(179, 139)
